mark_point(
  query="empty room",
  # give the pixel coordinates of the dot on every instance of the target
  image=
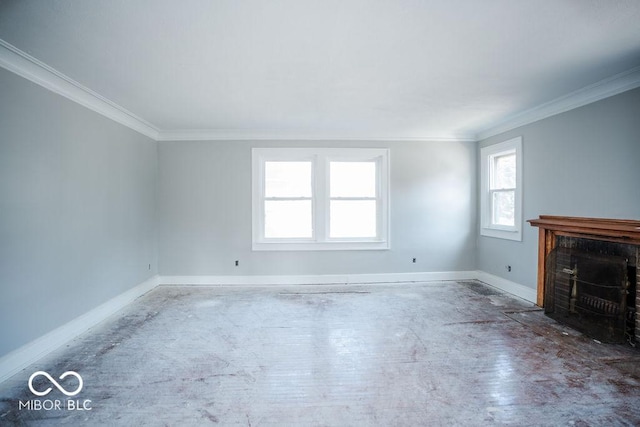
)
(319, 213)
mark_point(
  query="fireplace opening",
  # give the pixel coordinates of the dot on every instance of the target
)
(594, 293)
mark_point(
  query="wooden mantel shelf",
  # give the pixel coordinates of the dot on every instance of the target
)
(611, 230)
(616, 230)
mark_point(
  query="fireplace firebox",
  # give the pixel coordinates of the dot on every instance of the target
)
(592, 292)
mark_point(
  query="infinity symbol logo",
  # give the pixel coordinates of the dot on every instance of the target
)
(54, 382)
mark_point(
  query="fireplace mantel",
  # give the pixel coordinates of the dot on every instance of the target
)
(611, 230)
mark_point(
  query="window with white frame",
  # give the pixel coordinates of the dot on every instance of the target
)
(320, 199)
(501, 190)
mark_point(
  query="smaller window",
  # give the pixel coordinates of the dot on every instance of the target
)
(501, 181)
(502, 189)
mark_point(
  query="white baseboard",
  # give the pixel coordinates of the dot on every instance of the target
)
(320, 279)
(24, 356)
(521, 291)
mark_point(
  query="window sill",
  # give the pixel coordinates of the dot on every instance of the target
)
(320, 246)
(515, 235)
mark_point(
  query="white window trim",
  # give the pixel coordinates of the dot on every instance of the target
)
(486, 227)
(320, 177)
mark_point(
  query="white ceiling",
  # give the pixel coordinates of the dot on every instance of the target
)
(423, 69)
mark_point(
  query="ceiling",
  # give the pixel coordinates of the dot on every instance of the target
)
(370, 69)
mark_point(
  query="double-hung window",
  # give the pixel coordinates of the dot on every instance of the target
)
(320, 199)
(501, 198)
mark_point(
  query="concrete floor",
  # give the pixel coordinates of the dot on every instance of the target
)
(404, 354)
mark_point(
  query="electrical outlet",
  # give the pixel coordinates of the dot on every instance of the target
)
(413, 261)
(237, 263)
(508, 267)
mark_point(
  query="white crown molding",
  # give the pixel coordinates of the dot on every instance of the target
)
(30, 68)
(611, 86)
(275, 135)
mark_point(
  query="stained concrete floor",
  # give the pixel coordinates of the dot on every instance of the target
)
(447, 353)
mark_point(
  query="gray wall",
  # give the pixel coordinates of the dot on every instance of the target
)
(77, 210)
(205, 212)
(585, 162)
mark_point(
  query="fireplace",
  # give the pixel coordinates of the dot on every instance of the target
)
(588, 274)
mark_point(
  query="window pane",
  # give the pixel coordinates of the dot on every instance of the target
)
(353, 218)
(352, 179)
(504, 208)
(287, 219)
(287, 179)
(504, 171)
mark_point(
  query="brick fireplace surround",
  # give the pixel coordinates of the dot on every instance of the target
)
(558, 231)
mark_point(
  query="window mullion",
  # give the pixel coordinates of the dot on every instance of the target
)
(320, 198)
(262, 192)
